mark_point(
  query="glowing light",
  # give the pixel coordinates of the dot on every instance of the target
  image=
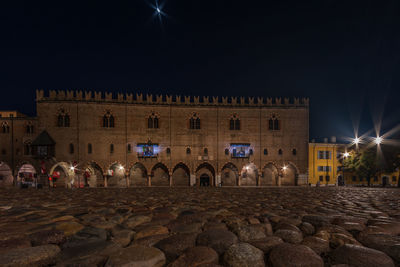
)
(72, 168)
(356, 140)
(121, 168)
(247, 168)
(346, 154)
(284, 168)
(378, 140)
(158, 10)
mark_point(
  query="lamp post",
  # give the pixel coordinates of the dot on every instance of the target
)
(345, 156)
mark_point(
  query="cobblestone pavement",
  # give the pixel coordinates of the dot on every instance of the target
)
(200, 227)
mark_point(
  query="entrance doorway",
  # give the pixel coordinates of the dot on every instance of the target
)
(385, 181)
(204, 180)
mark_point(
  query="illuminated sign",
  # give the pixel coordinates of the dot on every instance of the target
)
(240, 150)
(147, 150)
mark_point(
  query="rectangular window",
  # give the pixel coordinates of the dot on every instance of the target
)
(321, 178)
(376, 179)
(353, 178)
(361, 179)
(394, 179)
(240, 150)
(327, 178)
(327, 155)
(320, 168)
(324, 168)
(320, 154)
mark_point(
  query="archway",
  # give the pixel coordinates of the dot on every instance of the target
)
(249, 175)
(6, 177)
(289, 175)
(270, 175)
(116, 176)
(229, 175)
(93, 176)
(159, 175)
(138, 175)
(340, 180)
(203, 171)
(27, 174)
(62, 175)
(181, 175)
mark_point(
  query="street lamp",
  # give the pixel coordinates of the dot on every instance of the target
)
(356, 140)
(378, 140)
(346, 154)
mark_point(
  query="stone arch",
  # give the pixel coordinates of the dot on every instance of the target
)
(116, 175)
(229, 175)
(289, 175)
(62, 175)
(270, 175)
(205, 174)
(138, 175)
(6, 176)
(93, 175)
(249, 175)
(181, 175)
(160, 175)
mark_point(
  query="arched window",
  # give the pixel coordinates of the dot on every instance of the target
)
(294, 151)
(29, 128)
(71, 148)
(251, 151)
(60, 120)
(89, 148)
(274, 123)
(168, 151)
(108, 120)
(63, 119)
(234, 122)
(111, 148)
(194, 122)
(205, 151)
(265, 151)
(152, 121)
(280, 152)
(226, 151)
(5, 128)
(188, 150)
(129, 148)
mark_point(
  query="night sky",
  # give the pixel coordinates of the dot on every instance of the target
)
(344, 55)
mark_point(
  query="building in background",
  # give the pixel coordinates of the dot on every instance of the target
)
(95, 139)
(325, 167)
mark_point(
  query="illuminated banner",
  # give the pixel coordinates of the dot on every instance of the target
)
(240, 150)
(147, 150)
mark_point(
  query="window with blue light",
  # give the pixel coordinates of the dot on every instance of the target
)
(147, 150)
(240, 150)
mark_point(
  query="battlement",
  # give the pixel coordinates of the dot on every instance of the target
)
(150, 99)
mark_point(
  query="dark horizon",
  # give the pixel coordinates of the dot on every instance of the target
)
(343, 56)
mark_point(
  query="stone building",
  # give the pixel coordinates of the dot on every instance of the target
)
(100, 139)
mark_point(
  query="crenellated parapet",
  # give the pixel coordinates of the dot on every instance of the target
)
(149, 99)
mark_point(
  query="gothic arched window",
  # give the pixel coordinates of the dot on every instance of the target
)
(153, 121)
(129, 148)
(280, 152)
(205, 151)
(194, 122)
(274, 124)
(63, 119)
(27, 148)
(108, 120)
(234, 122)
(188, 151)
(29, 128)
(5, 128)
(294, 151)
(111, 148)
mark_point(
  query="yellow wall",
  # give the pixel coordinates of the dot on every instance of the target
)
(333, 162)
(314, 162)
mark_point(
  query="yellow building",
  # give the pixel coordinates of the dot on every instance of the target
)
(324, 167)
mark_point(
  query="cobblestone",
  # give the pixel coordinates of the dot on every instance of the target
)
(97, 226)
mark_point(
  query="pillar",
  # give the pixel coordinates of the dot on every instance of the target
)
(218, 179)
(192, 179)
(170, 179)
(239, 178)
(105, 179)
(149, 180)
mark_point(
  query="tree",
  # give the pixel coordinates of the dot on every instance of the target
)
(368, 162)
